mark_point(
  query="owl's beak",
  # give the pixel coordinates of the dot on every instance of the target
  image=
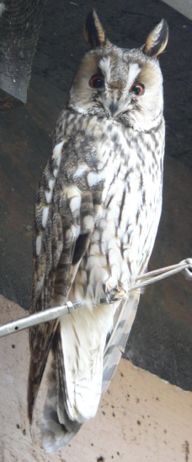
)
(113, 108)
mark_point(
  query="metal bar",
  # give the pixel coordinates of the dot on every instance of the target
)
(147, 281)
(179, 266)
(37, 318)
(54, 313)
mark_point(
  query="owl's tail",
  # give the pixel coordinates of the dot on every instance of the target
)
(55, 435)
(116, 343)
(83, 366)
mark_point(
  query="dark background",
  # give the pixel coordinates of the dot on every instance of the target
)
(161, 339)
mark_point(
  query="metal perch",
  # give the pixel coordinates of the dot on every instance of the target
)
(58, 311)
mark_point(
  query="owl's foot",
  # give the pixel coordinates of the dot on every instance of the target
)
(113, 293)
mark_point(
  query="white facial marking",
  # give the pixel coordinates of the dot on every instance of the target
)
(134, 70)
(104, 65)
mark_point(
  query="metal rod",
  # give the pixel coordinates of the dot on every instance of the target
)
(37, 318)
(163, 273)
(54, 313)
(178, 266)
(147, 281)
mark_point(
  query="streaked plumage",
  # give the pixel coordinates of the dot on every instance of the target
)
(96, 217)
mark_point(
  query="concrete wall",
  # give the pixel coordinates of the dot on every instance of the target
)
(183, 6)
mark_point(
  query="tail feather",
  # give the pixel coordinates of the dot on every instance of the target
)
(83, 338)
(117, 341)
(39, 354)
(63, 412)
(55, 434)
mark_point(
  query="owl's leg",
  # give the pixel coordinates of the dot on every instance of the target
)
(114, 291)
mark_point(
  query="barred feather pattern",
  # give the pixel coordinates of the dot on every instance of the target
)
(96, 217)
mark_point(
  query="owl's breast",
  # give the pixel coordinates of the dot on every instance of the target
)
(130, 168)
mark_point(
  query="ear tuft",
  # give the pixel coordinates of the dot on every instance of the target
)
(94, 32)
(157, 39)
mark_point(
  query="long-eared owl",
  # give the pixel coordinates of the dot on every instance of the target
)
(96, 217)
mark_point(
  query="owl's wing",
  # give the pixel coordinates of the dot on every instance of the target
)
(64, 220)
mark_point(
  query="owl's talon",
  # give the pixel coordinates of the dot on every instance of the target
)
(113, 294)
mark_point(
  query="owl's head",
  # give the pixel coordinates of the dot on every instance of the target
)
(123, 84)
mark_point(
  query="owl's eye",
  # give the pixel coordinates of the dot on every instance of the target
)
(97, 80)
(138, 89)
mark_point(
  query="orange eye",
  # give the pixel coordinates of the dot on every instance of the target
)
(137, 89)
(97, 81)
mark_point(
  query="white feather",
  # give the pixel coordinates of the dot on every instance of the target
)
(57, 153)
(75, 204)
(38, 244)
(82, 168)
(45, 216)
(83, 336)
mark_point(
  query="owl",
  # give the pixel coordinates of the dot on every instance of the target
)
(96, 217)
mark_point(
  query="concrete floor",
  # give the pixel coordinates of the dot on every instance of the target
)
(141, 417)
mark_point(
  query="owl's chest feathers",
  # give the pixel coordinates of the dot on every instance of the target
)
(125, 166)
(122, 159)
(101, 142)
(129, 166)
